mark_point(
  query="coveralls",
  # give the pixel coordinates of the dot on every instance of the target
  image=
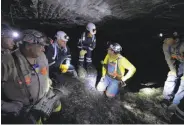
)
(88, 43)
(174, 56)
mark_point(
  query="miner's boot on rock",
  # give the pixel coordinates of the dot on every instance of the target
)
(81, 72)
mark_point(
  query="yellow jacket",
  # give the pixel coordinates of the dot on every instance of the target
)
(123, 64)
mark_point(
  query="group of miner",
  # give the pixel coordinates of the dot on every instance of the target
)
(28, 70)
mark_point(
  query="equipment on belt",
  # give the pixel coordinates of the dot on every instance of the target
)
(47, 104)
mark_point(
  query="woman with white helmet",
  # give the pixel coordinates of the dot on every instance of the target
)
(87, 44)
(59, 56)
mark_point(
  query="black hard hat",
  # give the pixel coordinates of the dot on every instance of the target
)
(34, 37)
(115, 47)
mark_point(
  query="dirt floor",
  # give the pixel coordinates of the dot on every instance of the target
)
(83, 104)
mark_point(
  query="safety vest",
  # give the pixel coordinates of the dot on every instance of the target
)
(23, 76)
(176, 53)
(113, 69)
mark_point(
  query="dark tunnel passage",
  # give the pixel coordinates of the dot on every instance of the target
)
(139, 39)
(141, 45)
(135, 25)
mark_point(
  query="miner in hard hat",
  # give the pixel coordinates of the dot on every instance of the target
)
(113, 72)
(24, 77)
(86, 45)
(59, 56)
(173, 48)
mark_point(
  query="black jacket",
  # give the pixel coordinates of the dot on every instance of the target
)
(57, 56)
(87, 41)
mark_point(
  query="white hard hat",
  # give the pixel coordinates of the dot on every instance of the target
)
(91, 28)
(62, 36)
(115, 47)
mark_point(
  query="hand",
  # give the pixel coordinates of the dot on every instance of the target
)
(123, 84)
(123, 79)
(50, 81)
(64, 68)
(12, 107)
(171, 73)
(83, 52)
(102, 79)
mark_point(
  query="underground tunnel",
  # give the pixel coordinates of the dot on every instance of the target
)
(136, 25)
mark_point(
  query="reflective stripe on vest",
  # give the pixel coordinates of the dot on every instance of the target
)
(54, 45)
(38, 69)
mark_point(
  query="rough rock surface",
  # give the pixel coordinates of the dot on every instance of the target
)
(83, 104)
(82, 11)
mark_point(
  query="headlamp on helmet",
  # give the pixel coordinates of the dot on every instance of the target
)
(115, 47)
(34, 37)
(60, 35)
(7, 31)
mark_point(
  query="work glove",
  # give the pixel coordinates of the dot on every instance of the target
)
(50, 81)
(123, 84)
(102, 79)
(49, 84)
(12, 107)
(171, 73)
(83, 52)
(64, 68)
(123, 79)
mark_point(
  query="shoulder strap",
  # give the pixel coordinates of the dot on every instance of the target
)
(178, 48)
(93, 38)
(83, 36)
(55, 51)
(169, 49)
(19, 71)
(119, 57)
